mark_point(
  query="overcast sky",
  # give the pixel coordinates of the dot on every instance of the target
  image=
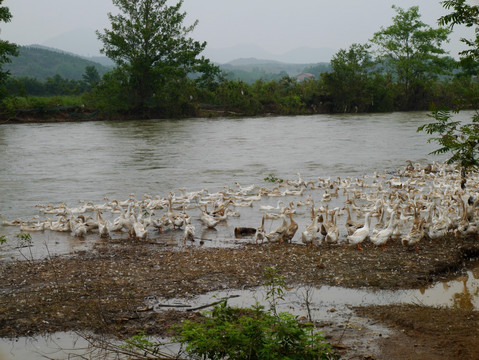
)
(275, 25)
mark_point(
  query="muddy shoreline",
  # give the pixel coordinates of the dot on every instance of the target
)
(104, 290)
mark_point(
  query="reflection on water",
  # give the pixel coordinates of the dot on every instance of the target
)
(462, 293)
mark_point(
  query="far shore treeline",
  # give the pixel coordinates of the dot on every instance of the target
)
(159, 72)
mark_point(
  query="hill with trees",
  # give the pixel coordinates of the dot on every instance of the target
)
(42, 63)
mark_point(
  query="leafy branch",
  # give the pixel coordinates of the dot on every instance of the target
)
(461, 140)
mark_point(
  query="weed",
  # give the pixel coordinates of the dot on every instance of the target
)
(275, 286)
(273, 179)
(141, 343)
(24, 239)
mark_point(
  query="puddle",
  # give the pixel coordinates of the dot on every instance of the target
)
(62, 345)
(460, 293)
(328, 305)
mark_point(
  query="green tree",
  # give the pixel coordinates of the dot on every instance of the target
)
(7, 49)
(463, 14)
(91, 77)
(348, 81)
(412, 51)
(468, 15)
(149, 42)
(460, 140)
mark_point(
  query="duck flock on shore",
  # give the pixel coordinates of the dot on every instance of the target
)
(414, 203)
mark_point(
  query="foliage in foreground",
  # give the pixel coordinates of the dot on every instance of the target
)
(244, 333)
(234, 333)
(460, 140)
(253, 333)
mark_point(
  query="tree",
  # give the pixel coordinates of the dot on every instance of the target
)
(347, 83)
(468, 15)
(412, 51)
(463, 14)
(461, 140)
(7, 49)
(91, 77)
(149, 43)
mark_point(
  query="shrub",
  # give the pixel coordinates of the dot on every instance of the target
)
(234, 333)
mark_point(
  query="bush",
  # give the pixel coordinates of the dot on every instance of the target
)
(235, 333)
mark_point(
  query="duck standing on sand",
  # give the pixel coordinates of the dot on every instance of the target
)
(291, 229)
(189, 230)
(310, 233)
(259, 235)
(277, 235)
(382, 237)
(360, 234)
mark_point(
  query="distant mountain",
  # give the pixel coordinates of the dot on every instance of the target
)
(302, 55)
(40, 62)
(83, 41)
(307, 55)
(250, 61)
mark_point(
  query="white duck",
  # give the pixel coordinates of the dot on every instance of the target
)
(78, 227)
(310, 233)
(351, 225)
(61, 225)
(360, 234)
(175, 218)
(207, 219)
(33, 227)
(103, 225)
(140, 231)
(189, 231)
(16, 222)
(382, 237)
(123, 220)
(270, 208)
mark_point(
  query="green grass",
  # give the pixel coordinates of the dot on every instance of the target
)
(41, 102)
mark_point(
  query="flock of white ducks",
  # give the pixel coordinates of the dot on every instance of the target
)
(414, 203)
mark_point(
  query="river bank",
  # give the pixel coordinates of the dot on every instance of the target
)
(105, 290)
(79, 114)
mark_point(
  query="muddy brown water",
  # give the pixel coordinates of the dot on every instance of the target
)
(72, 162)
(69, 162)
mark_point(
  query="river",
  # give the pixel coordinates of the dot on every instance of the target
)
(67, 162)
(70, 162)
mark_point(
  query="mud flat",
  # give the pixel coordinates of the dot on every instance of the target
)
(109, 290)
